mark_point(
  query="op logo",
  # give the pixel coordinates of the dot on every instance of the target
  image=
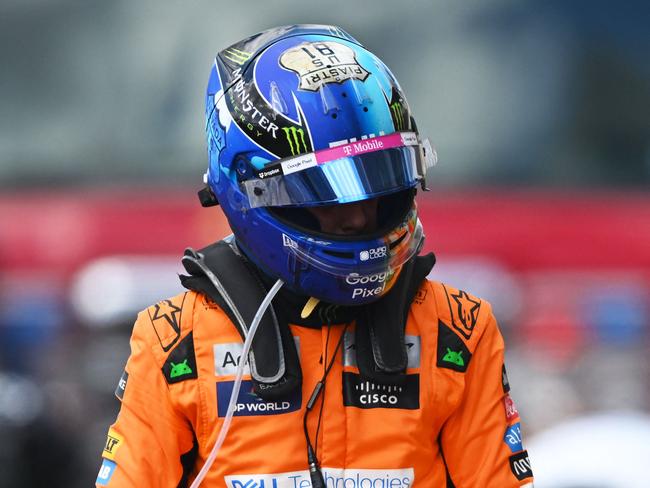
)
(319, 63)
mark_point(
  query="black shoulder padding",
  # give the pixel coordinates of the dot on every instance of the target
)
(381, 351)
(222, 274)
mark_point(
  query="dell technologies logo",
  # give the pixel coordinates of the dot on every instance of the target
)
(333, 477)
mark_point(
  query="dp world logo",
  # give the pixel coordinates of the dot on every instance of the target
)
(249, 404)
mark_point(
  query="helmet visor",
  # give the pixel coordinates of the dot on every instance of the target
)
(348, 173)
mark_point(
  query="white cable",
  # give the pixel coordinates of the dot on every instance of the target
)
(235, 388)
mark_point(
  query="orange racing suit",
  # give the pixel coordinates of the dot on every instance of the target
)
(451, 424)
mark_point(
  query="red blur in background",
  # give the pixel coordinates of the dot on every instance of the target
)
(58, 232)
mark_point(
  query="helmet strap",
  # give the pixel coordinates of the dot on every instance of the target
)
(381, 325)
(222, 273)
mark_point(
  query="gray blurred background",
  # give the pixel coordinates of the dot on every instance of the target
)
(540, 112)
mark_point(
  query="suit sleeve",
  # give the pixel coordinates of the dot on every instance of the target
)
(481, 440)
(145, 444)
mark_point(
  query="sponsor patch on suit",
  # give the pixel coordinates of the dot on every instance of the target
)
(520, 465)
(512, 438)
(105, 472)
(364, 393)
(121, 385)
(333, 477)
(249, 404)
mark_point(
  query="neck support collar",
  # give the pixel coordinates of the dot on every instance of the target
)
(230, 280)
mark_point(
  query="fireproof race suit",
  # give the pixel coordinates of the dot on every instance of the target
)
(451, 423)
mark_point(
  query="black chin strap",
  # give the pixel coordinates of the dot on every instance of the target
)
(379, 336)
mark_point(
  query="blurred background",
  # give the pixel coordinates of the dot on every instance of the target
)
(540, 112)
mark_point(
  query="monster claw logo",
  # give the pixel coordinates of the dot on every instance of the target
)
(399, 110)
(237, 56)
(296, 139)
(396, 112)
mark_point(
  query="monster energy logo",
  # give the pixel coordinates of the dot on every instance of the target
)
(396, 110)
(295, 137)
(236, 55)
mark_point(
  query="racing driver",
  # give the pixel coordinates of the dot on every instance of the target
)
(310, 349)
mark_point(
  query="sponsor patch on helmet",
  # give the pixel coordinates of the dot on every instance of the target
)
(319, 63)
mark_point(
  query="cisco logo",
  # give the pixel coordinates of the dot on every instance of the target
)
(379, 395)
(361, 392)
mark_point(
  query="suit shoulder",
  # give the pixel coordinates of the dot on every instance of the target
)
(163, 324)
(464, 313)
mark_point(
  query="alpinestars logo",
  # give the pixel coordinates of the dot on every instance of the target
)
(467, 309)
(319, 63)
(167, 315)
(363, 393)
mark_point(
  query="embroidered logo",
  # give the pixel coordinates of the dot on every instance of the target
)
(452, 353)
(166, 321)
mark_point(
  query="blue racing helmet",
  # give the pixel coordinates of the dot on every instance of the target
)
(304, 116)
